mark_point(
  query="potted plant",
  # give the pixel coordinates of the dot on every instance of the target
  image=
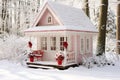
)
(59, 58)
(31, 57)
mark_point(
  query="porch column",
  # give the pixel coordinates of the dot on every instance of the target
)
(33, 40)
(48, 43)
(69, 43)
(57, 43)
(39, 43)
(72, 42)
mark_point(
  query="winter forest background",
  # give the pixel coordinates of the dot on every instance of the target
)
(18, 15)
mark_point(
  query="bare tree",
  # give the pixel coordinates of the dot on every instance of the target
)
(38, 5)
(4, 15)
(102, 27)
(118, 28)
(86, 7)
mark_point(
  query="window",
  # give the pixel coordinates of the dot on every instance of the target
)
(44, 43)
(53, 43)
(82, 45)
(62, 40)
(49, 19)
(87, 44)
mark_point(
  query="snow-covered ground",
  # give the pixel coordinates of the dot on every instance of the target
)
(13, 71)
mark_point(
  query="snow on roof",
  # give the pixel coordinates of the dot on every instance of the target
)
(70, 16)
(56, 28)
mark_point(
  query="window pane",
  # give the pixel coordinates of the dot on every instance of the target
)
(44, 43)
(62, 39)
(53, 43)
(49, 19)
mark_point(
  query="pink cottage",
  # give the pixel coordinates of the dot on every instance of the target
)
(64, 35)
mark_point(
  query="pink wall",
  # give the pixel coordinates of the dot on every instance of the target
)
(86, 53)
(81, 56)
(44, 19)
(91, 44)
(78, 43)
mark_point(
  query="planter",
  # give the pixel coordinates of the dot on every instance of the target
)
(59, 62)
(31, 59)
(59, 57)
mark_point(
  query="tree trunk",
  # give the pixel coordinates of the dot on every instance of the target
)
(86, 7)
(38, 5)
(118, 28)
(4, 14)
(18, 17)
(102, 27)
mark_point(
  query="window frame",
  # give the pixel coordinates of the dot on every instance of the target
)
(44, 43)
(49, 20)
(53, 43)
(62, 40)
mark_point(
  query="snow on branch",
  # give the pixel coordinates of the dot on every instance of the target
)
(17, 46)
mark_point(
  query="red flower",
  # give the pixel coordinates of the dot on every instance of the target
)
(60, 57)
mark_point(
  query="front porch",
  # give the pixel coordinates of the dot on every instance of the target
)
(69, 60)
(72, 45)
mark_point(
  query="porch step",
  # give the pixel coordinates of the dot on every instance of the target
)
(40, 66)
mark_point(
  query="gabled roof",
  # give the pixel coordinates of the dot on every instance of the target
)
(70, 16)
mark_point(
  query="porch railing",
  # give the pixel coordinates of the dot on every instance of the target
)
(69, 58)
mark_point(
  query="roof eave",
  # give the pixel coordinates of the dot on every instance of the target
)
(61, 30)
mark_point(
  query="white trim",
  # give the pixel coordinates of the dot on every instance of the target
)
(58, 43)
(75, 49)
(48, 43)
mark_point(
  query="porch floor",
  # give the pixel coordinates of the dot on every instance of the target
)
(47, 65)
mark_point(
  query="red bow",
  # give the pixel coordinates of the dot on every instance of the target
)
(65, 44)
(30, 44)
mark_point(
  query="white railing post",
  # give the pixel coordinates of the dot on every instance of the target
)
(65, 58)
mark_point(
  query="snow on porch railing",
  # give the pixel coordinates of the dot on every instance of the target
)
(69, 58)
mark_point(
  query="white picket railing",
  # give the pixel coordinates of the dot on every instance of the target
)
(69, 58)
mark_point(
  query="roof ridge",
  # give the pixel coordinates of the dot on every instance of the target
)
(53, 2)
